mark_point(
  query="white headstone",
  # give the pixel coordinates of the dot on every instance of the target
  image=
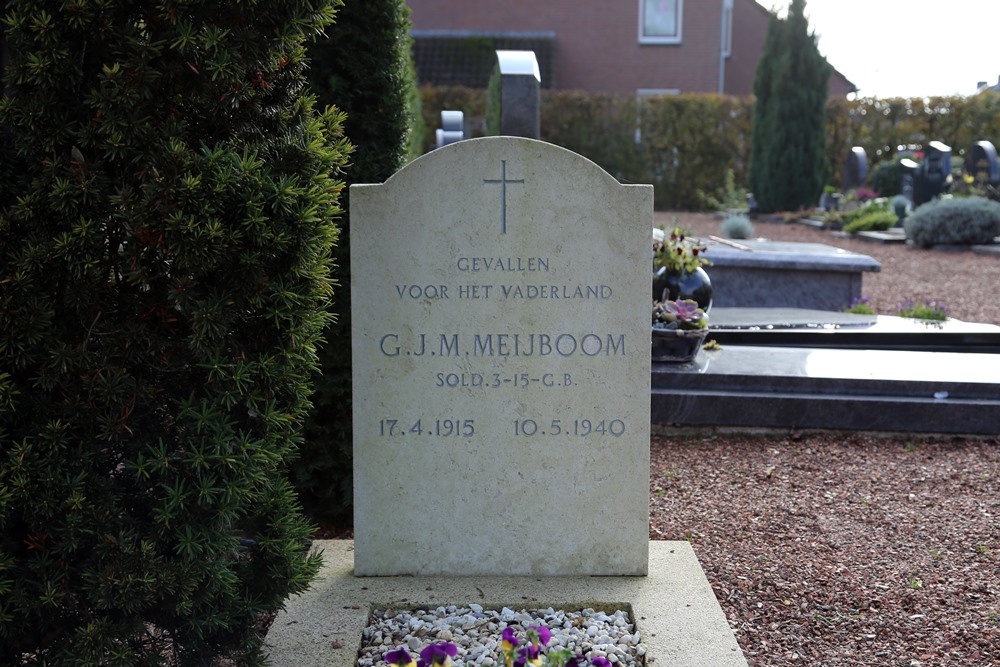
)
(501, 344)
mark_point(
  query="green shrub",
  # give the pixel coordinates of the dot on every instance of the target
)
(966, 221)
(365, 68)
(737, 226)
(926, 310)
(861, 306)
(884, 178)
(165, 225)
(871, 220)
(728, 198)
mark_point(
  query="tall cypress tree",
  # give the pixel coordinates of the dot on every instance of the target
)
(166, 219)
(364, 66)
(788, 143)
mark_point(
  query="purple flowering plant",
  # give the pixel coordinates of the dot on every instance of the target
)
(680, 314)
(677, 251)
(927, 310)
(515, 653)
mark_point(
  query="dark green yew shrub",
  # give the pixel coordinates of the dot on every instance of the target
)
(966, 221)
(364, 67)
(788, 160)
(166, 197)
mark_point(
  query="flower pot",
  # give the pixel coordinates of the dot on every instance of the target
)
(675, 346)
(694, 285)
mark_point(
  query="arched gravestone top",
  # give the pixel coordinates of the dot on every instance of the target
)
(855, 169)
(501, 353)
(981, 163)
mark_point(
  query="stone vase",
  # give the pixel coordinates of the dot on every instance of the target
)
(694, 285)
(676, 346)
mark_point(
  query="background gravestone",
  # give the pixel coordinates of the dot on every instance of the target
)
(520, 83)
(907, 175)
(933, 176)
(452, 128)
(855, 169)
(501, 357)
(981, 163)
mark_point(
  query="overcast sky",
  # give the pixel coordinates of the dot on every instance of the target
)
(908, 48)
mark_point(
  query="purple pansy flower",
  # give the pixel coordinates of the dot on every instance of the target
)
(600, 662)
(539, 634)
(437, 654)
(508, 639)
(529, 655)
(400, 657)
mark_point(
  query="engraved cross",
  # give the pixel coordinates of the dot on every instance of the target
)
(503, 192)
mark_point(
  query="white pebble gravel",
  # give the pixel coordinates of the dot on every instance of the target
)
(475, 631)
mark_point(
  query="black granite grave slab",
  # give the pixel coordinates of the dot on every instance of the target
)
(792, 368)
(792, 327)
(881, 390)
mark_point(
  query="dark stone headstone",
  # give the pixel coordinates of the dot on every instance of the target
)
(982, 165)
(855, 169)
(907, 174)
(520, 84)
(934, 175)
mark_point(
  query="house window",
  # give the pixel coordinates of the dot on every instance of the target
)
(660, 21)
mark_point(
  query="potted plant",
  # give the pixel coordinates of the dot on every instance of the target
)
(677, 268)
(830, 200)
(679, 329)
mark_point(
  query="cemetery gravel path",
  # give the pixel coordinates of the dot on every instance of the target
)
(837, 549)
(840, 548)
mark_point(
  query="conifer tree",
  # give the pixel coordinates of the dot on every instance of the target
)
(788, 142)
(364, 66)
(167, 195)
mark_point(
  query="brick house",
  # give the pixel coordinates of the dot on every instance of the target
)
(620, 46)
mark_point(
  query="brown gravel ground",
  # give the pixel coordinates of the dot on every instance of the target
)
(840, 549)
(830, 548)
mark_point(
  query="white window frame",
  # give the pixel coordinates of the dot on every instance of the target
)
(661, 39)
(727, 28)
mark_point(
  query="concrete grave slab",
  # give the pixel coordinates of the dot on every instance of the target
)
(778, 274)
(673, 607)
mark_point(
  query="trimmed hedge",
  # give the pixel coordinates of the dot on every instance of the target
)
(688, 142)
(967, 221)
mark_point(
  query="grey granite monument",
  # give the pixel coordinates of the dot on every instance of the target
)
(520, 85)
